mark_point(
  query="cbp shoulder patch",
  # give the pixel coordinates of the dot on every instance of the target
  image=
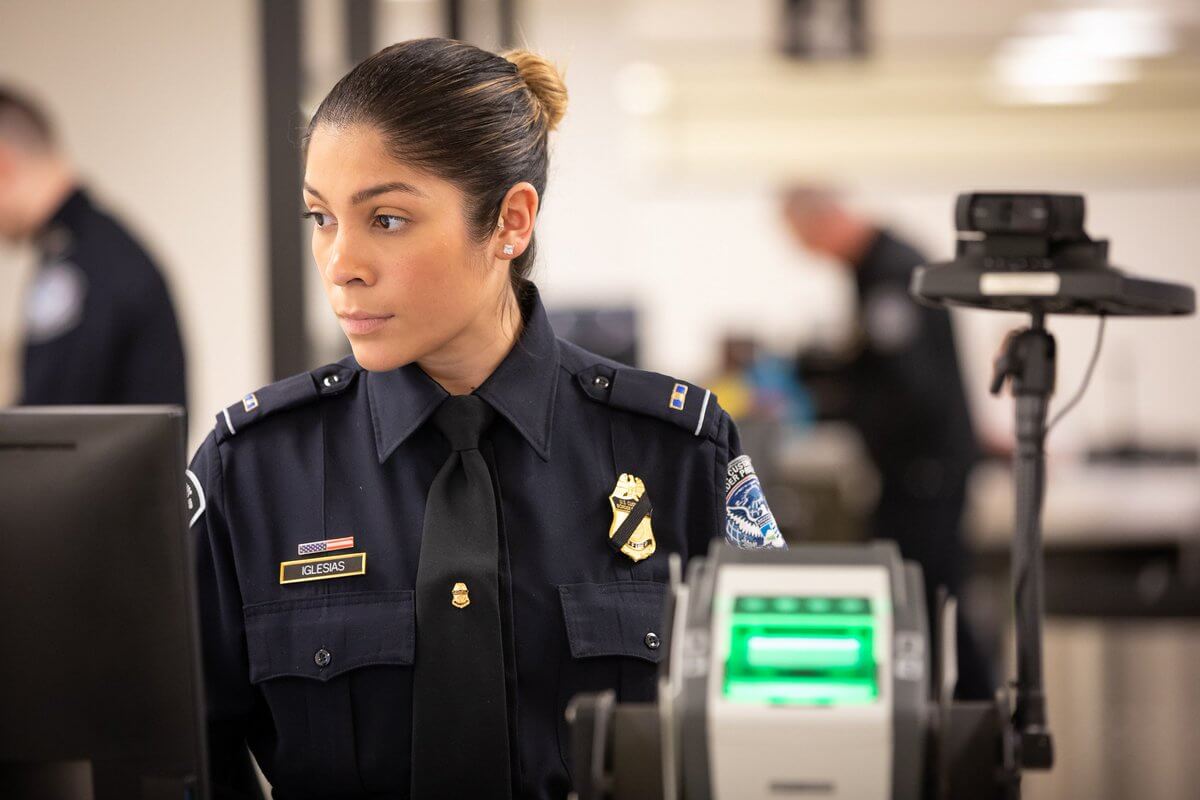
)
(749, 522)
(195, 497)
(891, 319)
(55, 302)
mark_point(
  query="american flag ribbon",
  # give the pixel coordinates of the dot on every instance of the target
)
(325, 545)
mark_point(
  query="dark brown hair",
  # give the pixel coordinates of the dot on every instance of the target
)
(474, 118)
(22, 122)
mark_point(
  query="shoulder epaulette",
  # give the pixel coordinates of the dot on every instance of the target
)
(687, 405)
(298, 390)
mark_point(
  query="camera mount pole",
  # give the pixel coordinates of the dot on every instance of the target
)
(1028, 359)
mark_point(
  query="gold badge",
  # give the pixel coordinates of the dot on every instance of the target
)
(628, 491)
(459, 596)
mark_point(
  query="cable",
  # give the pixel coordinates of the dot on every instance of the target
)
(1087, 378)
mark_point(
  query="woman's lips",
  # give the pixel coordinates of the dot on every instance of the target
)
(358, 323)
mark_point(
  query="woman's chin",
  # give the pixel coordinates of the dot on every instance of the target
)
(377, 357)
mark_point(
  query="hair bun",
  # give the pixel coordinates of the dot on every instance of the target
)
(544, 82)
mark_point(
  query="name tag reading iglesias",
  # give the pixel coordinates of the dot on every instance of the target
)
(319, 569)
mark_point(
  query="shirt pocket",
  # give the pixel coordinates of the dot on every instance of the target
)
(616, 636)
(623, 618)
(335, 672)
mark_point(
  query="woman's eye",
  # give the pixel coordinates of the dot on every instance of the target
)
(390, 222)
(319, 219)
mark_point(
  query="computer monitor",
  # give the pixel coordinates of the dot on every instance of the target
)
(100, 682)
(609, 332)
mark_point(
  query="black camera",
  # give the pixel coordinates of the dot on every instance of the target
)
(1029, 252)
(1054, 216)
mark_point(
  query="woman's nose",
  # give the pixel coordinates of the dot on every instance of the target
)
(346, 265)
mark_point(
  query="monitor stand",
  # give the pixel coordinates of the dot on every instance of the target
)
(77, 780)
(55, 780)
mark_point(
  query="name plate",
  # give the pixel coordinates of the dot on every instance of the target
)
(321, 569)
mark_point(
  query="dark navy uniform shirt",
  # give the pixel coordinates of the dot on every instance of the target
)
(317, 676)
(99, 325)
(907, 390)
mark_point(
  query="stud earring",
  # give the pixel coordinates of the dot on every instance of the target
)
(509, 249)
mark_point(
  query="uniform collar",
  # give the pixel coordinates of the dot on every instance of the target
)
(73, 209)
(873, 257)
(57, 235)
(521, 389)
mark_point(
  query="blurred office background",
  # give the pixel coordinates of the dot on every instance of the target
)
(662, 235)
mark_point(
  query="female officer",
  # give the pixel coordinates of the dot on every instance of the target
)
(409, 561)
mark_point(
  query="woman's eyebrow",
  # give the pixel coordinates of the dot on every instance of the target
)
(367, 194)
(384, 188)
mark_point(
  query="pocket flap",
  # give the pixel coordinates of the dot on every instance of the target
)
(624, 618)
(322, 637)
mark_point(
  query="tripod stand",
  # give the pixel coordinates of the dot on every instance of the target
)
(1028, 360)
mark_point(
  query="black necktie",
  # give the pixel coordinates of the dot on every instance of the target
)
(460, 744)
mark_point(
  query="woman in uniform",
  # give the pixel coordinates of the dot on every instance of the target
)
(409, 561)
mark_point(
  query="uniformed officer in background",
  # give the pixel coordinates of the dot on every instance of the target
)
(903, 391)
(411, 560)
(99, 326)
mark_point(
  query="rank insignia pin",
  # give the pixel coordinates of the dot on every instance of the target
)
(631, 533)
(459, 596)
(678, 397)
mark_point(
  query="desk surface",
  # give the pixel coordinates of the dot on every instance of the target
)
(1092, 505)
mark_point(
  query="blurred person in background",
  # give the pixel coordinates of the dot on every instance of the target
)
(99, 327)
(902, 390)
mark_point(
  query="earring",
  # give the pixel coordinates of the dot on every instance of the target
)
(508, 249)
(500, 224)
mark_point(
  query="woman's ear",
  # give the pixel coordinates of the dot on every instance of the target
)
(514, 229)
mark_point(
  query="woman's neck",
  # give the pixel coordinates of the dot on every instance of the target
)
(466, 361)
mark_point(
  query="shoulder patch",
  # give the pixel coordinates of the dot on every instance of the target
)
(292, 392)
(54, 302)
(194, 495)
(891, 319)
(749, 522)
(686, 405)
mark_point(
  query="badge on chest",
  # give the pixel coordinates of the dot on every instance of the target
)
(630, 532)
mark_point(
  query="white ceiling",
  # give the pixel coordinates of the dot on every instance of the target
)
(896, 26)
(928, 104)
